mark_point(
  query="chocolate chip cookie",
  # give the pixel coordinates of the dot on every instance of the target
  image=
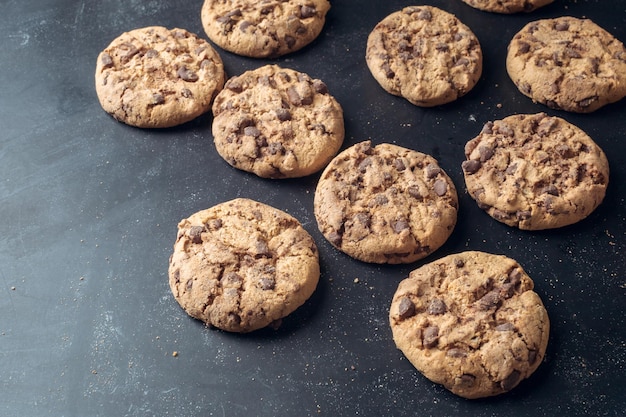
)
(266, 28)
(155, 77)
(385, 203)
(242, 265)
(277, 123)
(425, 55)
(568, 63)
(535, 172)
(507, 6)
(471, 322)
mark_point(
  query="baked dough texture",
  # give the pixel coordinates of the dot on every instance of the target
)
(425, 55)
(263, 28)
(507, 6)
(277, 123)
(155, 77)
(568, 64)
(535, 171)
(385, 203)
(242, 265)
(471, 322)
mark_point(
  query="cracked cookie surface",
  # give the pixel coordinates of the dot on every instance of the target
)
(385, 203)
(242, 265)
(277, 123)
(265, 28)
(507, 6)
(534, 171)
(568, 64)
(155, 77)
(425, 55)
(471, 322)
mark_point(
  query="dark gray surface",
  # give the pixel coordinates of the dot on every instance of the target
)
(89, 209)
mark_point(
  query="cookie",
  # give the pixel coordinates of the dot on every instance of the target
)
(425, 55)
(507, 6)
(242, 265)
(534, 171)
(155, 77)
(568, 64)
(263, 29)
(385, 203)
(471, 322)
(277, 123)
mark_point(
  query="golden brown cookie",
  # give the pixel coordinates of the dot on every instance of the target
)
(425, 55)
(535, 172)
(277, 123)
(155, 77)
(568, 63)
(471, 322)
(385, 203)
(507, 6)
(242, 265)
(265, 28)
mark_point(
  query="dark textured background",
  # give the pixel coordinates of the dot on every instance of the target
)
(89, 208)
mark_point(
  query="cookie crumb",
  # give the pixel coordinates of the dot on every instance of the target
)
(175, 354)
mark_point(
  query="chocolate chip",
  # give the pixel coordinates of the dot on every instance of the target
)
(414, 192)
(511, 381)
(334, 238)
(293, 96)
(485, 153)
(283, 114)
(275, 148)
(459, 263)
(262, 249)
(363, 218)
(186, 74)
(389, 73)
(234, 85)
(471, 166)
(157, 98)
(442, 47)
(106, 60)
(399, 164)
(510, 170)
(215, 224)
(550, 189)
(523, 47)
(189, 284)
(364, 164)
(487, 128)
(267, 283)
(380, 199)
(291, 41)
(467, 380)
(440, 187)
(523, 214)
(244, 25)
(195, 233)
(532, 356)
(461, 62)
(583, 104)
(436, 307)
(231, 279)
(307, 11)
(489, 300)
(456, 353)
(251, 131)
(430, 336)
(561, 26)
(400, 225)
(425, 14)
(505, 327)
(320, 87)
(406, 308)
(185, 92)
(432, 170)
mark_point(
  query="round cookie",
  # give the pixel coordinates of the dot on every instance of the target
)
(263, 29)
(242, 265)
(507, 6)
(535, 172)
(155, 77)
(425, 55)
(385, 204)
(277, 123)
(568, 64)
(471, 322)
